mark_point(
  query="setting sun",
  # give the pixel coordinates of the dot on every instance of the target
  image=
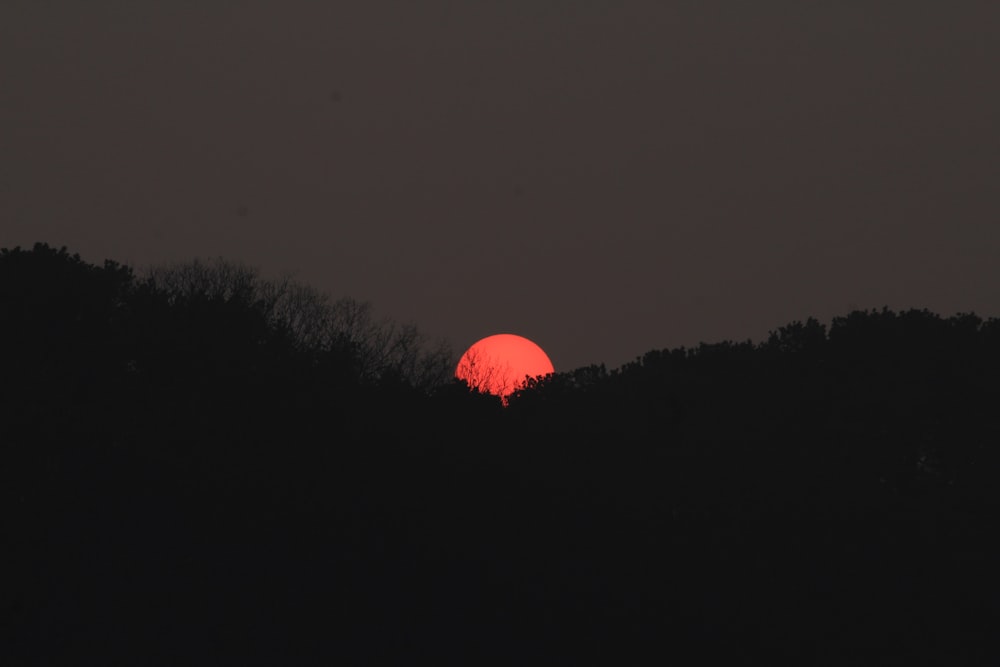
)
(500, 364)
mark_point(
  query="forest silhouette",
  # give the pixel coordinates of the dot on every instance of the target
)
(202, 466)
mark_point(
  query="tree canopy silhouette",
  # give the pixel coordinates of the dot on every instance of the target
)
(205, 466)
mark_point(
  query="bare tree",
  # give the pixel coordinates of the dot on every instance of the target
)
(382, 348)
(484, 373)
(212, 279)
(386, 348)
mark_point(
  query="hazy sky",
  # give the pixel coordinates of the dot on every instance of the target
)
(603, 177)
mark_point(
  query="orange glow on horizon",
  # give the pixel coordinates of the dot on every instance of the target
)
(501, 364)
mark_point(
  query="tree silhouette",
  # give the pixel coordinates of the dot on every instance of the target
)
(486, 374)
(379, 348)
(281, 478)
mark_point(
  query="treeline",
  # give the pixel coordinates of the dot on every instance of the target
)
(204, 466)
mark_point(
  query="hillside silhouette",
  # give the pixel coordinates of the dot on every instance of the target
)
(206, 467)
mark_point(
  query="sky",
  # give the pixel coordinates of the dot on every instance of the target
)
(603, 177)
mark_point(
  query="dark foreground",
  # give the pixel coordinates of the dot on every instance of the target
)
(184, 484)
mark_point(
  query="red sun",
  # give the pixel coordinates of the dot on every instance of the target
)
(502, 363)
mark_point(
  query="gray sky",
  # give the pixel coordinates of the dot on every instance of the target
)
(605, 178)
